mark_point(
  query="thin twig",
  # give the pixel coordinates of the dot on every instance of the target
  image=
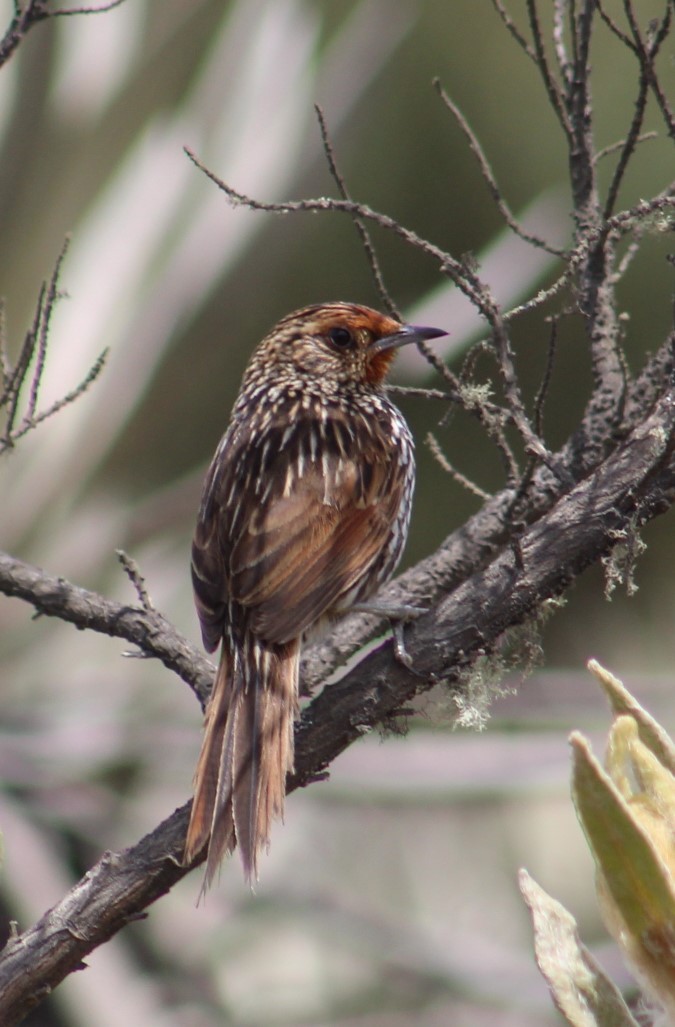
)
(514, 30)
(631, 252)
(454, 269)
(540, 297)
(552, 89)
(470, 398)
(544, 386)
(411, 390)
(628, 148)
(440, 457)
(133, 572)
(66, 11)
(647, 55)
(492, 417)
(613, 27)
(19, 373)
(50, 300)
(613, 147)
(69, 397)
(538, 419)
(534, 445)
(366, 241)
(34, 12)
(488, 176)
(467, 396)
(5, 365)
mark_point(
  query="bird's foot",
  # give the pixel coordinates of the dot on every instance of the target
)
(398, 615)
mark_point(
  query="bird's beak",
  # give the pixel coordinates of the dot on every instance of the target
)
(405, 335)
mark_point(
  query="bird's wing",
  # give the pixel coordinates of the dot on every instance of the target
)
(303, 538)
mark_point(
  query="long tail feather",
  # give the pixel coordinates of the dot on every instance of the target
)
(209, 763)
(247, 751)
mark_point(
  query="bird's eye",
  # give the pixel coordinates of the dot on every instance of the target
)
(340, 337)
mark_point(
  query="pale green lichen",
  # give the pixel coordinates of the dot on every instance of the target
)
(619, 564)
(519, 652)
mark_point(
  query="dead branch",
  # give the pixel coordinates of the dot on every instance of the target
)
(27, 373)
(35, 11)
(146, 629)
(488, 175)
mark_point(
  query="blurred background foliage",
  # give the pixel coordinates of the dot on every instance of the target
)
(390, 894)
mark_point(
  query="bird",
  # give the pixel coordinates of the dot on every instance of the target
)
(304, 514)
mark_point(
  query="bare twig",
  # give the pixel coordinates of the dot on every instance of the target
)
(474, 401)
(27, 424)
(442, 460)
(33, 355)
(543, 296)
(371, 255)
(454, 269)
(18, 375)
(552, 89)
(542, 392)
(70, 397)
(463, 276)
(147, 629)
(493, 418)
(613, 27)
(133, 572)
(486, 171)
(620, 144)
(411, 390)
(647, 52)
(64, 12)
(35, 11)
(5, 364)
(514, 30)
(646, 56)
(631, 251)
(45, 319)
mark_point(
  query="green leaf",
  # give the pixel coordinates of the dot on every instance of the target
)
(651, 732)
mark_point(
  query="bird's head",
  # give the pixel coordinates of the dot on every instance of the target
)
(340, 342)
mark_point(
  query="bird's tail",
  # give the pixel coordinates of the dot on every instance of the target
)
(247, 750)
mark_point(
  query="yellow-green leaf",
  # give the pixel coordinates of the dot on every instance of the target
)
(582, 992)
(651, 732)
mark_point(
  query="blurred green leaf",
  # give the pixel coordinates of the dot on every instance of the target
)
(628, 815)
